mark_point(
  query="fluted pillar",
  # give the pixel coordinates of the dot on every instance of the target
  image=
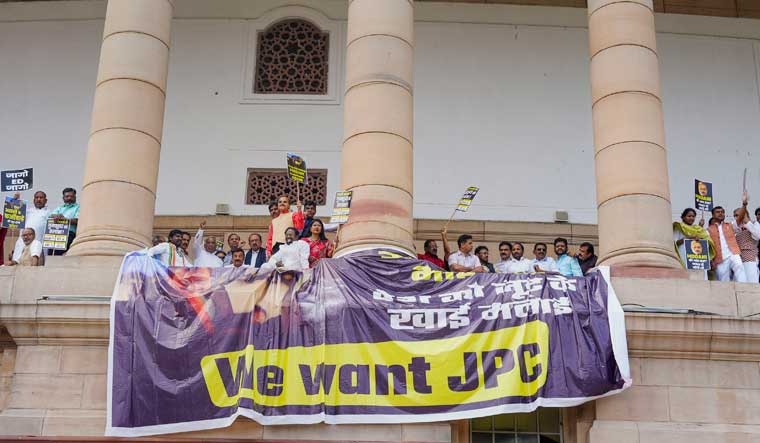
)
(632, 188)
(378, 109)
(119, 192)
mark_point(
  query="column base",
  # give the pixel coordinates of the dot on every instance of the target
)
(101, 244)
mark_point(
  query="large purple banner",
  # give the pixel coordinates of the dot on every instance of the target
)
(371, 337)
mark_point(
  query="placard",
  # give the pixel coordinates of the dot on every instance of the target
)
(467, 198)
(697, 255)
(56, 234)
(703, 195)
(297, 168)
(14, 213)
(16, 180)
(342, 207)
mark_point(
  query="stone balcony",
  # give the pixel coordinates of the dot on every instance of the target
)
(692, 371)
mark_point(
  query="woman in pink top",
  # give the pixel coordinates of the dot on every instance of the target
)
(319, 246)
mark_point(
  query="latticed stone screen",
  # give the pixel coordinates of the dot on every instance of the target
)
(292, 58)
(266, 185)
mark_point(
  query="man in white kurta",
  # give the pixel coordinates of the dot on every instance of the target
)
(36, 217)
(292, 256)
(170, 253)
(205, 249)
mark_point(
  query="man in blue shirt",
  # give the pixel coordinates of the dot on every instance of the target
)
(567, 265)
(69, 210)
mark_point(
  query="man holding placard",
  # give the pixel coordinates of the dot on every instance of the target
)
(37, 213)
(728, 263)
(747, 236)
(69, 210)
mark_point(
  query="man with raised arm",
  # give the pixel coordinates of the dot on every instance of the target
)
(205, 250)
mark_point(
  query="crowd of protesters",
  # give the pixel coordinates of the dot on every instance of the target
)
(28, 249)
(468, 258)
(733, 245)
(296, 241)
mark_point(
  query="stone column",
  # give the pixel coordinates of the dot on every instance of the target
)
(632, 189)
(119, 192)
(378, 108)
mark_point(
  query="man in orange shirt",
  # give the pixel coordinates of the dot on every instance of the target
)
(727, 263)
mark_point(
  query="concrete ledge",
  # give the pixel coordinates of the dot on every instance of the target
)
(651, 432)
(721, 298)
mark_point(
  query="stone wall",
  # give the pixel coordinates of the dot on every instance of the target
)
(696, 378)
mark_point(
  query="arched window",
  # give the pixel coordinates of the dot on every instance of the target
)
(292, 58)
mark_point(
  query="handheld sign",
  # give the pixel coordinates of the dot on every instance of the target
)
(296, 168)
(342, 207)
(467, 198)
(697, 255)
(14, 213)
(703, 195)
(56, 234)
(16, 180)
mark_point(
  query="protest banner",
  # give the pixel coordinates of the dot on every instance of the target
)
(341, 207)
(14, 213)
(703, 195)
(56, 234)
(697, 257)
(16, 180)
(370, 337)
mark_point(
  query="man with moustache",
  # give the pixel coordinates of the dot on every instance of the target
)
(431, 254)
(505, 254)
(170, 253)
(727, 262)
(205, 250)
(233, 241)
(542, 263)
(256, 256)
(566, 265)
(518, 263)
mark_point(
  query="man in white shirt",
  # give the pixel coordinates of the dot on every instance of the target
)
(237, 259)
(518, 263)
(505, 254)
(36, 214)
(292, 256)
(205, 249)
(29, 252)
(170, 253)
(542, 263)
(464, 260)
(727, 262)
